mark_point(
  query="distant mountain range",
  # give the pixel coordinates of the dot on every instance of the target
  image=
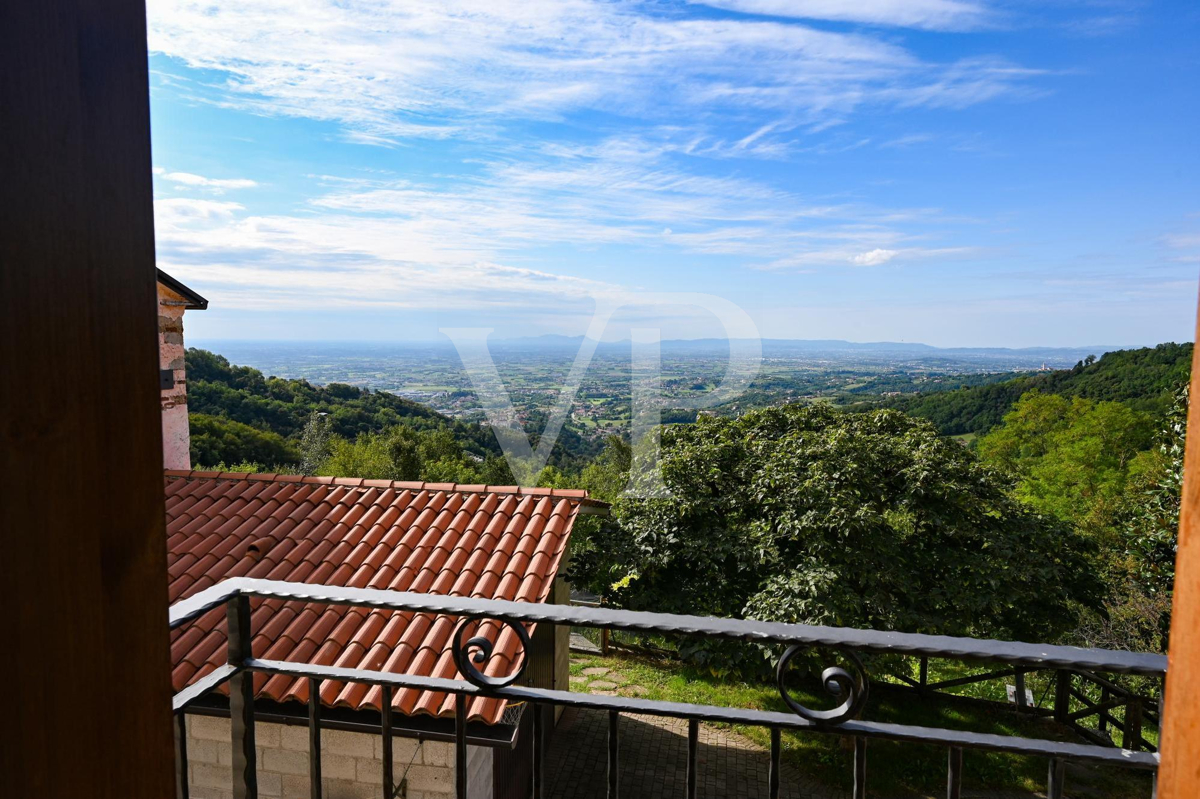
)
(878, 353)
(777, 347)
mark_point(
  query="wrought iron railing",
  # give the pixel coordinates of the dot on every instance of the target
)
(848, 686)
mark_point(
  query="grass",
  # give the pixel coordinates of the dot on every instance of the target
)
(895, 769)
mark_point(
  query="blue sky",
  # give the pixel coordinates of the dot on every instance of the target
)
(954, 172)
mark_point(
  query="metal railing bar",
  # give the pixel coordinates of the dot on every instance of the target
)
(693, 747)
(773, 776)
(954, 767)
(1015, 652)
(614, 774)
(314, 738)
(761, 718)
(181, 757)
(209, 682)
(241, 699)
(389, 765)
(460, 746)
(860, 768)
(1056, 779)
(202, 602)
(538, 743)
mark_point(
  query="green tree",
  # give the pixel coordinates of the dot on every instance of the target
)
(1071, 458)
(810, 515)
(1152, 519)
(215, 440)
(367, 456)
(605, 477)
(404, 449)
(315, 442)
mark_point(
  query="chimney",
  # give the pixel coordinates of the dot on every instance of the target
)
(173, 299)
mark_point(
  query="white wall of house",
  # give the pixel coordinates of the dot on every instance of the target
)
(351, 763)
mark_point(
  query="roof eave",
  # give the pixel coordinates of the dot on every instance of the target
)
(193, 301)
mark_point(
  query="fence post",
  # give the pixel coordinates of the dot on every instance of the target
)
(1132, 739)
(1062, 695)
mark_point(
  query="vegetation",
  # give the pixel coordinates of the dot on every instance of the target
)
(1072, 458)
(903, 769)
(402, 453)
(1145, 379)
(217, 440)
(238, 414)
(807, 514)
(1056, 522)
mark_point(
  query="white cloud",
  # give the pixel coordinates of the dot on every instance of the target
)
(216, 185)
(386, 70)
(469, 241)
(927, 14)
(875, 257)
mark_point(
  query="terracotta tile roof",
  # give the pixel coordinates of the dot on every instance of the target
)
(500, 542)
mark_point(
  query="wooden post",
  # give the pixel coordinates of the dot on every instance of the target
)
(1179, 774)
(1062, 695)
(1132, 737)
(87, 668)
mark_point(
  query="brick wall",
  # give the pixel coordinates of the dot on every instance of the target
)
(176, 441)
(351, 763)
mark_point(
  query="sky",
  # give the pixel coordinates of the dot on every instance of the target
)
(953, 172)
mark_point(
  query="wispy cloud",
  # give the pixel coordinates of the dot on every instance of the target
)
(942, 15)
(389, 70)
(215, 185)
(468, 240)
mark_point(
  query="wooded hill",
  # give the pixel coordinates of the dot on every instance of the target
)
(1143, 378)
(238, 414)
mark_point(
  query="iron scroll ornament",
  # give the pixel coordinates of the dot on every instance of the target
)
(483, 647)
(836, 681)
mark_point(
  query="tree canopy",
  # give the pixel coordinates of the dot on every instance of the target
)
(1072, 458)
(1145, 378)
(215, 440)
(283, 407)
(807, 514)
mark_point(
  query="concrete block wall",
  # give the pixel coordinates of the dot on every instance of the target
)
(351, 763)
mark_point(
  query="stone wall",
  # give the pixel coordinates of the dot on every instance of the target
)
(176, 439)
(351, 763)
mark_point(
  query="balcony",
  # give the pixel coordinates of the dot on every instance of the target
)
(847, 686)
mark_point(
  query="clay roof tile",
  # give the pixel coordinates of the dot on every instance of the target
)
(490, 541)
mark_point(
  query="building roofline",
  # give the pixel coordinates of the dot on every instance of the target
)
(194, 300)
(577, 495)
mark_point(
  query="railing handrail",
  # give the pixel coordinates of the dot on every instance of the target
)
(850, 687)
(843, 638)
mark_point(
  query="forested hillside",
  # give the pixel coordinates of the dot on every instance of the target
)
(1145, 379)
(238, 414)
